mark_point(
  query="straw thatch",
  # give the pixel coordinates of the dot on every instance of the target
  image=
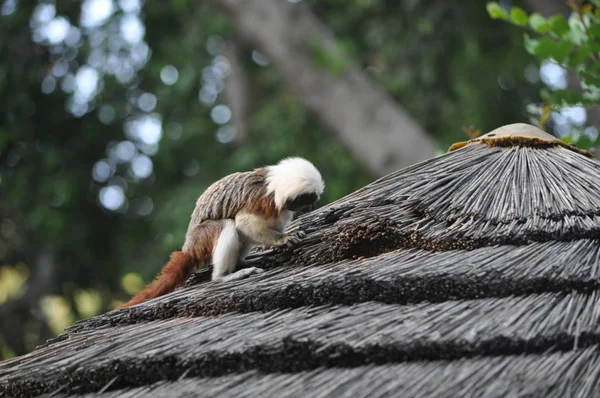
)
(558, 375)
(476, 273)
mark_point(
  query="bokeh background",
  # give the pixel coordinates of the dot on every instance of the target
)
(116, 114)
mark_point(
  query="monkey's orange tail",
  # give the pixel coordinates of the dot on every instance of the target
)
(173, 275)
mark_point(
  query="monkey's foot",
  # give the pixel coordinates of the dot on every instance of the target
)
(241, 274)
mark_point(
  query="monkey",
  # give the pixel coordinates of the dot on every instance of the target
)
(235, 214)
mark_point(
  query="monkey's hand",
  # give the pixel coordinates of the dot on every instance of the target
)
(241, 274)
(291, 239)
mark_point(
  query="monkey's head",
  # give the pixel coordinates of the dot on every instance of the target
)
(295, 183)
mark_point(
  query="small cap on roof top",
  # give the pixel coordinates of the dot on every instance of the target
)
(520, 130)
(518, 134)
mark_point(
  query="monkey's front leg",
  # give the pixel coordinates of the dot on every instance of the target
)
(256, 229)
(234, 243)
(246, 267)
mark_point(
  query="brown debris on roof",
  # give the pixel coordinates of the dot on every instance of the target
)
(475, 271)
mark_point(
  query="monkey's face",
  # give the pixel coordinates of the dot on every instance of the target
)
(302, 203)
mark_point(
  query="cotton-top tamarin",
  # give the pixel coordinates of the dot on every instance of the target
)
(233, 215)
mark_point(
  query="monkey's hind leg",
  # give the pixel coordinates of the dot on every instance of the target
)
(227, 250)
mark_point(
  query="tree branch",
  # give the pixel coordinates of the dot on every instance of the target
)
(237, 91)
(380, 134)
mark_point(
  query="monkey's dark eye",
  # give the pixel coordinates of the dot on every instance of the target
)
(302, 202)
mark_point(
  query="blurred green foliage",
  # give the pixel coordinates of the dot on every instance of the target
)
(574, 44)
(443, 61)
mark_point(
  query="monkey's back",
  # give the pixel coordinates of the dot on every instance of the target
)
(232, 193)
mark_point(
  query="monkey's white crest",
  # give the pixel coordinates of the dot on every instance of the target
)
(292, 177)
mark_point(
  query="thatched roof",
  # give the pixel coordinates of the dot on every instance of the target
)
(476, 273)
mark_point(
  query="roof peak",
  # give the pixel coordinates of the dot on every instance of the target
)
(521, 130)
(519, 134)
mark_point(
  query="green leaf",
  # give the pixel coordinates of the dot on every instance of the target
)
(529, 43)
(562, 97)
(584, 142)
(558, 25)
(579, 56)
(546, 48)
(539, 23)
(594, 46)
(518, 16)
(593, 67)
(594, 30)
(590, 79)
(567, 140)
(496, 11)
